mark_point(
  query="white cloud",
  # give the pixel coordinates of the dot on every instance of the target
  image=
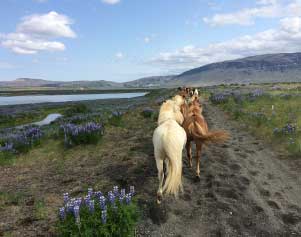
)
(119, 55)
(36, 32)
(47, 25)
(111, 2)
(265, 9)
(285, 38)
(147, 39)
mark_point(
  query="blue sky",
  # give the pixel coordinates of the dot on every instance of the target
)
(122, 40)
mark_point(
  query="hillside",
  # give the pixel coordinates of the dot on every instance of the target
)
(284, 67)
(156, 81)
(29, 82)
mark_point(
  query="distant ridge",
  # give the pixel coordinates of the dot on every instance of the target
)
(268, 68)
(283, 67)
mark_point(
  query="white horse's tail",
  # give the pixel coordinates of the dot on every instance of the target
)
(173, 182)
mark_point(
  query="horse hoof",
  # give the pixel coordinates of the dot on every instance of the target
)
(159, 199)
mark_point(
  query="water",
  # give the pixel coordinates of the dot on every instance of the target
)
(35, 99)
(50, 118)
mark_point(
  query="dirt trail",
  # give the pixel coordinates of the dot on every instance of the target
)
(245, 190)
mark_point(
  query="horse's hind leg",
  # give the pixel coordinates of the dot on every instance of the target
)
(189, 155)
(198, 158)
(159, 162)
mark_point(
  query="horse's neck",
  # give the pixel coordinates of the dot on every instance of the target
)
(184, 110)
(173, 113)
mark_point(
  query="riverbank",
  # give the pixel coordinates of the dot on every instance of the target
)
(48, 91)
(15, 115)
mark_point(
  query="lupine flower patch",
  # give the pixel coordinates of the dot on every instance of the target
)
(98, 214)
(87, 133)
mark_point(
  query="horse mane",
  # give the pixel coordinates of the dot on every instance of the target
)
(170, 109)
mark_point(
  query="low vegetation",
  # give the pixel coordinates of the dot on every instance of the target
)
(88, 133)
(99, 215)
(273, 114)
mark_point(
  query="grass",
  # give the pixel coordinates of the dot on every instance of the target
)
(268, 112)
(21, 118)
(40, 210)
(7, 199)
(49, 170)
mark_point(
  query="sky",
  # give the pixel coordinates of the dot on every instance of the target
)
(123, 40)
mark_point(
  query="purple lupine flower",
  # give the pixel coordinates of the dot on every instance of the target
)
(8, 147)
(66, 197)
(104, 216)
(87, 200)
(90, 192)
(71, 131)
(219, 97)
(91, 206)
(115, 191)
(78, 201)
(76, 214)
(98, 194)
(128, 198)
(132, 190)
(102, 202)
(121, 197)
(122, 192)
(62, 213)
(256, 93)
(69, 207)
(111, 197)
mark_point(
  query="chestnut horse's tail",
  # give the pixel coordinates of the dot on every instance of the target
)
(210, 137)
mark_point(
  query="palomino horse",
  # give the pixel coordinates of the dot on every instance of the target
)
(196, 129)
(169, 140)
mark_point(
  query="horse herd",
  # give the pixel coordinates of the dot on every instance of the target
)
(180, 122)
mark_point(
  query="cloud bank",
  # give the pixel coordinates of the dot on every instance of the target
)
(36, 33)
(285, 38)
(263, 9)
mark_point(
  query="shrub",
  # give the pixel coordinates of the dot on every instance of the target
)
(219, 98)
(97, 215)
(76, 109)
(96, 117)
(115, 118)
(87, 133)
(21, 140)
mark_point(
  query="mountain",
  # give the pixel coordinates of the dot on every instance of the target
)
(146, 82)
(26, 82)
(29, 82)
(156, 81)
(284, 67)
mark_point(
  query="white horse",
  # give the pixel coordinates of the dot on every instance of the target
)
(169, 140)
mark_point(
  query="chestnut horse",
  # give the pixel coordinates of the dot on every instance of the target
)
(196, 129)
